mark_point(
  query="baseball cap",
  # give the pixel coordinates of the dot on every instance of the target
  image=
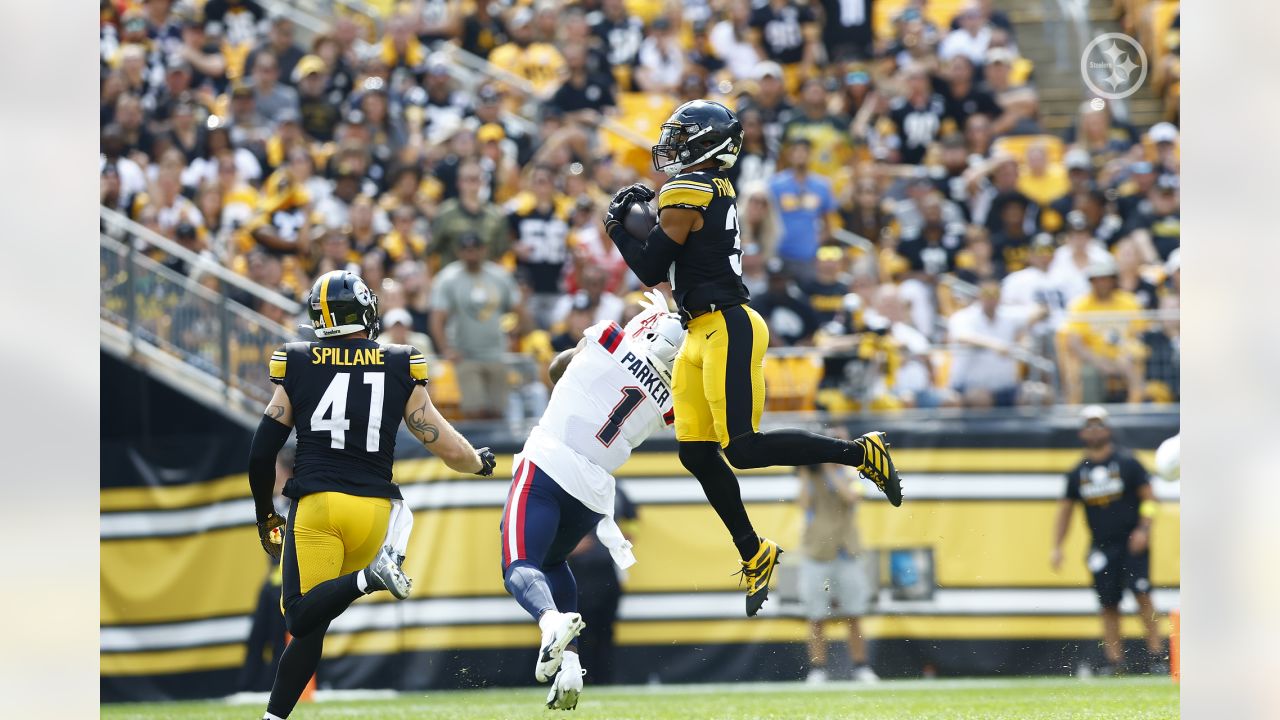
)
(1095, 413)
(242, 89)
(1077, 159)
(767, 68)
(857, 77)
(1163, 132)
(470, 240)
(488, 94)
(1142, 167)
(1000, 55)
(490, 132)
(1042, 242)
(1077, 221)
(308, 65)
(830, 252)
(1100, 268)
(397, 316)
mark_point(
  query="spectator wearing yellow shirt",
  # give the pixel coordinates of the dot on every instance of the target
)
(400, 48)
(1104, 350)
(540, 63)
(828, 135)
(1042, 181)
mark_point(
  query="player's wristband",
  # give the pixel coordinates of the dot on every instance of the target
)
(1148, 509)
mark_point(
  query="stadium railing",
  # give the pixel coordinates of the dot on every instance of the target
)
(188, 319)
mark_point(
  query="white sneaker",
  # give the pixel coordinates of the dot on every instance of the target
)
(816, 676)
(568, 684)
(864, 673)
(558, 631)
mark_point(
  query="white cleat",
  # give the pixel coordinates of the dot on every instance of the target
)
(816, 676)
(568, 684)
(864, 674)
(557, 633)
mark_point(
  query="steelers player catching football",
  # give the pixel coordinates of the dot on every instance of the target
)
(718, 389)
(346, 395)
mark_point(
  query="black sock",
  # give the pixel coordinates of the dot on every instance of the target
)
(298, 663)
(791, 447)
(321, 604)
(720, 485)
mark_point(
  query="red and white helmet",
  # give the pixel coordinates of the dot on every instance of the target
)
(657, 333)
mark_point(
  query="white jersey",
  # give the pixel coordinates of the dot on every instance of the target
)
(608, 401)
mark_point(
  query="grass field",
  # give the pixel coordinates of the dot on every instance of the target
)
(1014, 699)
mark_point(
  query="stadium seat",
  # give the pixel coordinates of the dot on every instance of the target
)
(939, 12)
(1017, 146)
(642, 113)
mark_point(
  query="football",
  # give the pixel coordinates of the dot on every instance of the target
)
(640, 220)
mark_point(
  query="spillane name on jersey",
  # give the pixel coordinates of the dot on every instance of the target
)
(348, 397)
(707, 273)
(607, 403)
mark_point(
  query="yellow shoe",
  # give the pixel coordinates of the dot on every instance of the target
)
(757, 572)
(878, 467)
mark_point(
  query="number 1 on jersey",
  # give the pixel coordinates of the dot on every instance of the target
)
(334, 405)
(631, 397)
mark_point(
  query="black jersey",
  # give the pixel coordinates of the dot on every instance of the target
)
(1109, 491)
(348, 397)
(707, 273)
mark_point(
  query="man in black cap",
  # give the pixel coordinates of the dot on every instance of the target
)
(791, 319)
(1119, 507)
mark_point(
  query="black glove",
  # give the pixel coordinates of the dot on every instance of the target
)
(621, 203)
(487, 462)
(270, 535)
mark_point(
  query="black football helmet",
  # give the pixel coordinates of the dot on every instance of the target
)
(339, 303)
(698, 130)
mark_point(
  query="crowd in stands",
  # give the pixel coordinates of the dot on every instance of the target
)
(902, 208)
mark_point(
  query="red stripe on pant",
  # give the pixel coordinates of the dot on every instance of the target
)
(513, 524)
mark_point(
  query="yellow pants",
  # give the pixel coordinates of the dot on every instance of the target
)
(718, 380)
(329, 535)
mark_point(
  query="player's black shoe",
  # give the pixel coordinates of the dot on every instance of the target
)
(878, 467)
(757, 572)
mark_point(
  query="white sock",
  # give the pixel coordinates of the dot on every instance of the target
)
(269, 716)
(547, 618)
(361, 584)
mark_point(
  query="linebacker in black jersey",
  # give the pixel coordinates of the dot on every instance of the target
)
(347, 394)
(719, 374)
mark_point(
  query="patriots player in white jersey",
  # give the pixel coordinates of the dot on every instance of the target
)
(612, 391)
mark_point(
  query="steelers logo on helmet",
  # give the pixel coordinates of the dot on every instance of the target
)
(340, 303)
(697, 131)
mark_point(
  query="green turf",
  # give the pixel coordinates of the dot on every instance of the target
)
(1020, 699)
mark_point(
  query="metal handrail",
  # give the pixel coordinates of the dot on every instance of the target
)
(112, 220)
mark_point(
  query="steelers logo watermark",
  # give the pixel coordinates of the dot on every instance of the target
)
(1113, 66)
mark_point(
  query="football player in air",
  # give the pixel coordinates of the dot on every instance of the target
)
(346, 395)
(718, 384)
(611, 392)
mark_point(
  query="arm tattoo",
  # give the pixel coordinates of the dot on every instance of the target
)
(418, 423)
(275, 412)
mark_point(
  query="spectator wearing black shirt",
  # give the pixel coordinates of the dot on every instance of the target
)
(1119, 507)
(1011, 239)
(917, 116)
(620, 34)
(1157, 224)
(770, 100)
(933, 250)
(317, 107)
(583, 90)
(829, 286)
(785, 309)
(785, 32)
(846, 29)
(963, 97)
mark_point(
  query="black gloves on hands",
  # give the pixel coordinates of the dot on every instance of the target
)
(622, 200)
(271, 536)
(487, 462)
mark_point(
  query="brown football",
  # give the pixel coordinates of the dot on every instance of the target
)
(639, 220)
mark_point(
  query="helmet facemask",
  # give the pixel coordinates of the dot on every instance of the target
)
(659, 341)
(670, 152)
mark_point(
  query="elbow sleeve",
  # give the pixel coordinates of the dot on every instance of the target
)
(270, 436)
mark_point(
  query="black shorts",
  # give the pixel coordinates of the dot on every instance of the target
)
(1115, 569)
